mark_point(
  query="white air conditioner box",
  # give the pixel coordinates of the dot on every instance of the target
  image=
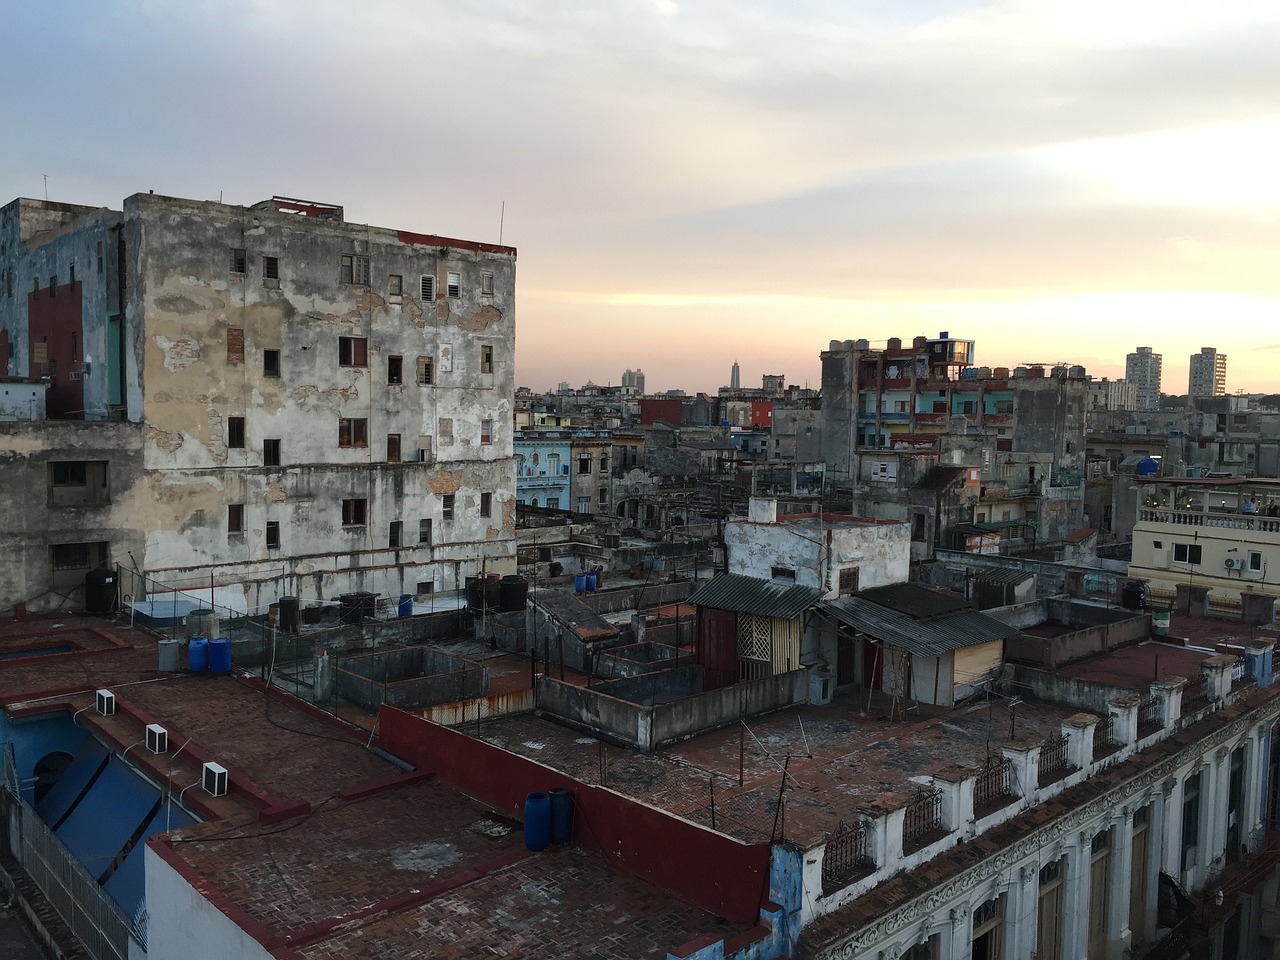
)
(157, 738)
(214, 780)
(106, 701)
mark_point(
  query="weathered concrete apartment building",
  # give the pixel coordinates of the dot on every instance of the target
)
(265, 398)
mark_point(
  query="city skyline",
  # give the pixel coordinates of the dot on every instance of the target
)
(692, 185)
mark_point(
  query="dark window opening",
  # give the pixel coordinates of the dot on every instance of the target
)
(273, 534)
(271, 453)
(353, 512)
(486, 504)
(235, 518)
(353, 432)
(235, 432)
(353, 352)
(395, 533)
(446, 507)
(270, 268)
(239, 260)
(271, 363)
(395, 369)
(393, 448)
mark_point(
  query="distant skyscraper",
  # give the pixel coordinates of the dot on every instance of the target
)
(735, 377)
(633, 381)
(1208, 373)
(1142, 369)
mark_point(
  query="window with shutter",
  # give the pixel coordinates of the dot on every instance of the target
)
(428, 289)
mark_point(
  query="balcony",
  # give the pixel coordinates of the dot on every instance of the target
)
(1190, 518)
(541, 480)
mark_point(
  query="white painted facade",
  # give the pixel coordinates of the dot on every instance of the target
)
(815, 550)
(183, 925)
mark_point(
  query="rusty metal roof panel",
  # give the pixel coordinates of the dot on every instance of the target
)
(926, 637)
(766, 598)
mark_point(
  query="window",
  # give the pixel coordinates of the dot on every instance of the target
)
(271, 363)
(486, 504)
(235, 345)
(424, 449)
(454, 286)
(395, 533)
(353, 512)
(239, 260)
(353, 352)
(235, 518)
(76, 556)
(428, 289)
(270, 268)
(584, 505)
(446, 507)
(354, 270)
(99, 256)
(426, 587)
(424, 533)
(584, 463)
(426, 371)
(235, 432)
(1255, 561)
(604, 496)
(486, 431)
(393, 448)
(486, 359)
(395, 285)
(444, 430)
(1186, 553)
(353, 432)
(78, 483)
(486, 284)
(53, 286)
(271, 453)
(1190, 820)
(395, 369)
(782, 573)
(848, 580)
(988, 920)
(273, 534)
(70, 473)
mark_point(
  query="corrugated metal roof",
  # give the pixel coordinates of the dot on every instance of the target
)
(927, 637)
(915, 600)
(766, 598)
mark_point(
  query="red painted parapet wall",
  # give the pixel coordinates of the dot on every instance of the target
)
(700, 866)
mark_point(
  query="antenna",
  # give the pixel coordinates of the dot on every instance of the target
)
(502, 219)
(46, 188)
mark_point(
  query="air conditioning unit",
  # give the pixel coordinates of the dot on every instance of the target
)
(214, 780)
(1234, 563)
(106, 701)
(157, 738)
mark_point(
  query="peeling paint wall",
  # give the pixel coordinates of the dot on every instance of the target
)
(261, 343)
(341, 393)
(818, 552)
(36, 518)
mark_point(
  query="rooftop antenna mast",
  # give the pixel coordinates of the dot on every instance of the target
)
(46, 188)
(502, 219)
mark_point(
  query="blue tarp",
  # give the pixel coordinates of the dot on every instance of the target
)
(62, 795)
(102, 823)
(125, 886)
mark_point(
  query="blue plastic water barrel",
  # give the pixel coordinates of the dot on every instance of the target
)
(591, 582)
(561, 815)
(198, 654)
(406, 605)
(537, 821)
(579, 583)
(220, 655)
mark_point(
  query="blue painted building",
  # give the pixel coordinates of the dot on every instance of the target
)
(542, 467)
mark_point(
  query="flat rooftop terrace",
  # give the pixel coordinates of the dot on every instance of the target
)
(324, 846)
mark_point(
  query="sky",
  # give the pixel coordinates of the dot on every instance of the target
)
(690, 184)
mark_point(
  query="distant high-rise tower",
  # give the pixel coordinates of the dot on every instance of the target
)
(735, 377)
(633, 382)
(1208, 373)
(1142, 369)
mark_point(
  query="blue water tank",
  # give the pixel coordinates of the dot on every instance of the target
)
(198, 654)
(537, 821)
(591, 582)
(561, 815)
(579, 583)
(1148, 466)
(406, 605)
(220, 655)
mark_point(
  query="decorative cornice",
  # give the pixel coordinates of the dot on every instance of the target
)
(1103, 805)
